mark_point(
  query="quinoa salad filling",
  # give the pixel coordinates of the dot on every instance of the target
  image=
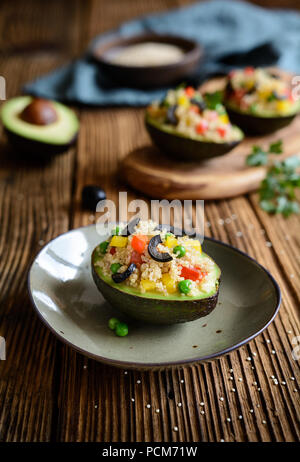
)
(185, 270)
(185, 112)
(259, 92)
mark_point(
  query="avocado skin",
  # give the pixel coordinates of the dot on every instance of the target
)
(36, 148)
(187, 149)
(255, 125)
(155, 311)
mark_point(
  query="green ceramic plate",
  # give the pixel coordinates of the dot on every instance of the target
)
(68, 302)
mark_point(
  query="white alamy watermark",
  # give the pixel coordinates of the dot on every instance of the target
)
(2, 349)
(187, 216)
(2, 88)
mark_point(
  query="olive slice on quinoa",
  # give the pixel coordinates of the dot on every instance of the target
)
(154, 253)
(129, 229)
(121, 277)
(171, 115)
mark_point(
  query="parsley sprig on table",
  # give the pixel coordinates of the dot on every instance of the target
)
(277, 190)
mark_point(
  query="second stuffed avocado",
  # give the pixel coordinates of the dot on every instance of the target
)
(260, 101)
(191, 127)
(157, 277)
(38, 126)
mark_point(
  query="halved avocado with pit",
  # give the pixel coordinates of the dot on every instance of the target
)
(153, 307)
(184, 148)
(38, 126)
(254, 124)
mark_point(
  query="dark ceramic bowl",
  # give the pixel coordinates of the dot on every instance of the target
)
(148, 76)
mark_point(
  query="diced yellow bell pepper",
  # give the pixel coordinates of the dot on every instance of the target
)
(195, 244)
(171, 241)
(224, 118)
(283, 106)
(169, 282)
(119, 241)
(183, 101)
(264, 94)
(148, 285)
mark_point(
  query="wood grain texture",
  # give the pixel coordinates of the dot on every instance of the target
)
(50, 393)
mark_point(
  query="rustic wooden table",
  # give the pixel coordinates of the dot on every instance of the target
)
(47, 391)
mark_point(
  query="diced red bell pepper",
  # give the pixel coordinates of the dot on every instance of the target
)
(190, 91)
(190, 273)
(138, 243)
(136, 258)
(201, 127)
(222, 131)
(112, 250)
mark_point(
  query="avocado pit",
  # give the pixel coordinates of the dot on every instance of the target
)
(39, 112)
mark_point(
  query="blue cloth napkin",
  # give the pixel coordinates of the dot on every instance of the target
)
(233, 34)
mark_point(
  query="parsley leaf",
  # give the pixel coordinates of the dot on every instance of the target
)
(277, 190)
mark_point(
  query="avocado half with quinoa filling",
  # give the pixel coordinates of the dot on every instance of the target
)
(191, 127)
(259, 101)
(157, 277)
(39, 126)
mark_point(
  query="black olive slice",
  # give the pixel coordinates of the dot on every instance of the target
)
(154, 253)
(120, 277)
(171, 116)
(199, 103)
(130, 226)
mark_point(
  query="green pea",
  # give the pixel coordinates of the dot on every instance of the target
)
(179, 250)
(121, 329)
(112, 323)
(114, 267)
(185, 286)
(116, 231)
(103, 246)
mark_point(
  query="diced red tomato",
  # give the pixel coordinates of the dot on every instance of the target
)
(222, 131)
(201, 127)
(189, 91)
(112, 250)
(138, 243)
(136, 258)
(249, 70)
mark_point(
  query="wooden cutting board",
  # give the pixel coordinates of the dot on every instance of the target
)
(149, 171)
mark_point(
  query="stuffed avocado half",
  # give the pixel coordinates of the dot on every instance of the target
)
(39, 126)
(155, 276)
(190, 126)
(259, 101)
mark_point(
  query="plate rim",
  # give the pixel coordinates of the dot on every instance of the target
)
(165, 364)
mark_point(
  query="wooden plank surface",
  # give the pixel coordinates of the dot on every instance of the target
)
(47, 391)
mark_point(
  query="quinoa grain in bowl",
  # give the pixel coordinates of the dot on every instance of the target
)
(156, 276)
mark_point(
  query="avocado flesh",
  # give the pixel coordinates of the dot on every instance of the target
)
(260, 124)
(56, 135)
(184, 148)
(153, 307)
